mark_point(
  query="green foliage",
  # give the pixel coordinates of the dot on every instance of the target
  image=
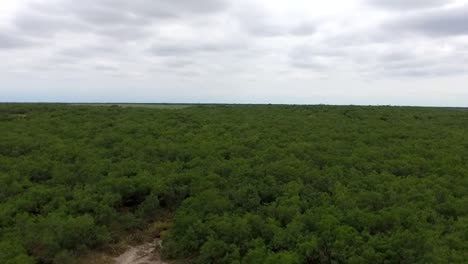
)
(244, 184)
(13, 252)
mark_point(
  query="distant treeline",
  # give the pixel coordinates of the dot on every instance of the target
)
(241, 184)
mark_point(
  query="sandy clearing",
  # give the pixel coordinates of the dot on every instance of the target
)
(143, 254)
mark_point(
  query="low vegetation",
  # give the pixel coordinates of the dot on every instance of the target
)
(244, 184)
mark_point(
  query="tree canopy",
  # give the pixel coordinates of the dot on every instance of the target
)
(242, 184)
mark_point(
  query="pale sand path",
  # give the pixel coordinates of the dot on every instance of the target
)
(143, 254)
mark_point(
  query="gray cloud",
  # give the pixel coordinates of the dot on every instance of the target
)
(236, 46)
(120, 19)
(11, 40)
(178, 63)
(310, 64)
(106, 15)
(272, 29)
(89, 51)
(313, 57)
(318, 49)
(383, 59)
(264, 29)
(43, 25)
(106, 68)
(173, 50)
(408, 4)
(123, 33)
(404, 61)
(419, 69)
(170, 8)
(304, 29)
(136, 11)
(258, 22)
(184, 49)
(397, 56)
(439, 22)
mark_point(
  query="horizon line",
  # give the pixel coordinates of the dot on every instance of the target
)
(220, 104)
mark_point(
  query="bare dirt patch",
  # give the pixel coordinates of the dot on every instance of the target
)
(147, 253)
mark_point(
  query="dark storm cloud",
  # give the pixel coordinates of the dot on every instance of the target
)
(408, 4)
(439, 22)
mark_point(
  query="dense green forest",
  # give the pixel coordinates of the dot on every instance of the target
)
(240, 184)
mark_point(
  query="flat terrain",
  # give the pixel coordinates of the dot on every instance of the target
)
(232, 184)
(157, 106)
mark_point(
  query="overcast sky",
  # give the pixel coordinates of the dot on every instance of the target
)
(398, 52)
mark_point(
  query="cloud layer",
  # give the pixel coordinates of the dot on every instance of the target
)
(222, 48)
(408, 5)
